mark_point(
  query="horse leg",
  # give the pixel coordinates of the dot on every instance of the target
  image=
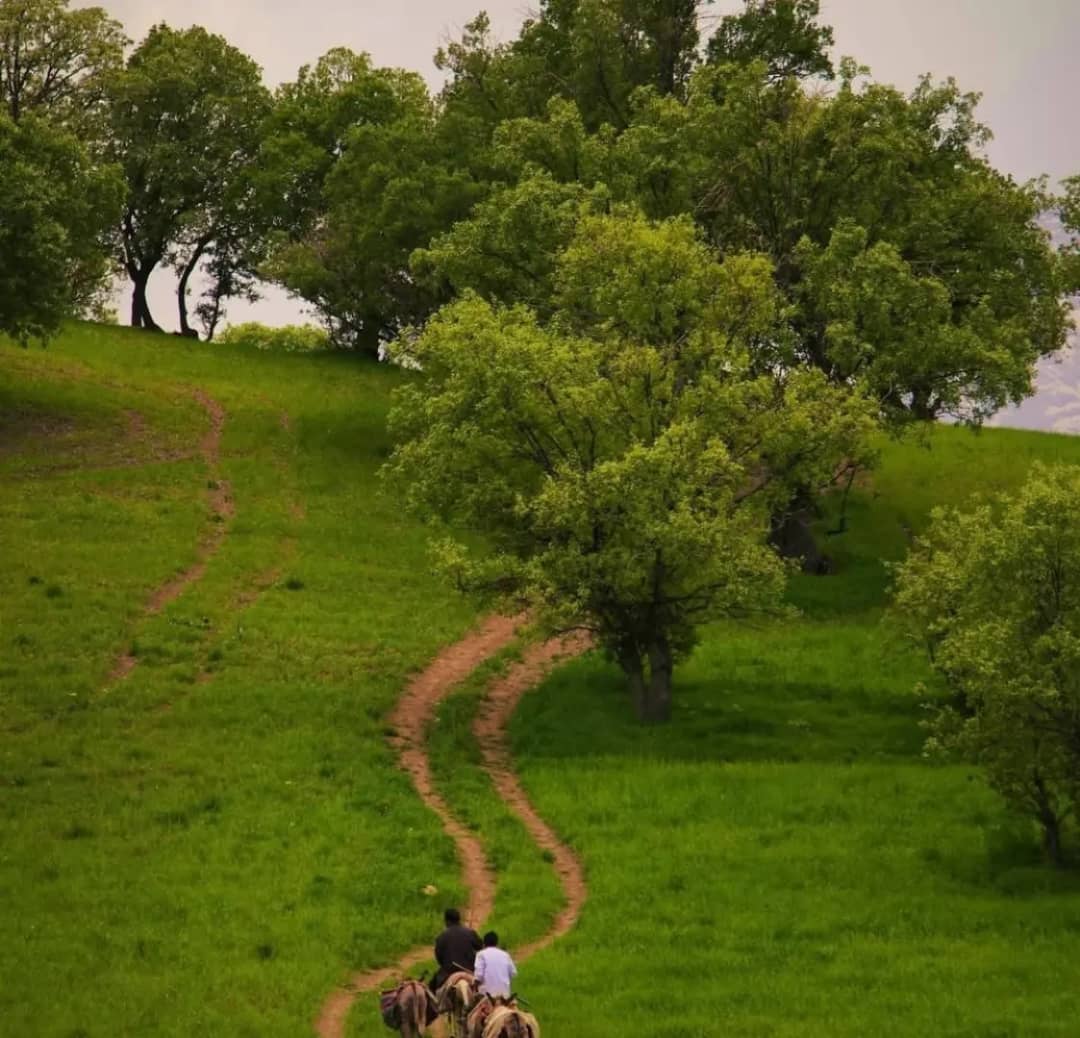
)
(412, 1023)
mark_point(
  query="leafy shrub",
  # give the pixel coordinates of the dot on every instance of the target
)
(993, 594)
(291, 338)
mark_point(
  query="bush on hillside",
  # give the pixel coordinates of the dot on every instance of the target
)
(291, 338)
(994, 594)
(56, 211)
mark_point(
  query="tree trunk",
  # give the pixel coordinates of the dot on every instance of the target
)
(657, 706)
(140, 309)
(210, 321)
(1051, 827)
(1050, 822)
(630, 662)
(790, 535)
(182, 288)
(368, 339)
(1052, 841)
(650, 693)
(181, 303)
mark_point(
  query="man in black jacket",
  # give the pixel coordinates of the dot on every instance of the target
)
(455, 948)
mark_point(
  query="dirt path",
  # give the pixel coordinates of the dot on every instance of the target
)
(490, 730)
(222, 508)
(410, 720)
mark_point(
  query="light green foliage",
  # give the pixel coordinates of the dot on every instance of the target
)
(211, 845)
(508, 248)
(55, 62)
(56, 207)
(995, 595)
(622, 457)
(289, 338)
(186, 116)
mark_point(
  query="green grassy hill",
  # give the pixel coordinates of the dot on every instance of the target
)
(207, 844)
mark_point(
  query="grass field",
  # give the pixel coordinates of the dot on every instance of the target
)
(205, 847)
(780, 860)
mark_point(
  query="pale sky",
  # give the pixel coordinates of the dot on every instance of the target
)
(1020, 54)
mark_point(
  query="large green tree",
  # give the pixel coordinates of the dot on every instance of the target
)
(369, 174)
(55, 61)
(909, 264)
(186, 118)
(55, 208)
(994, 595)
(872, 183)
(621, 454)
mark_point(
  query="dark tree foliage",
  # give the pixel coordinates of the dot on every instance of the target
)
(55, 209)
(186, 118)
(56, 62)
(785, 34)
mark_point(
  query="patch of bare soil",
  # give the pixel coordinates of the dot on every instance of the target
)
(410, 719)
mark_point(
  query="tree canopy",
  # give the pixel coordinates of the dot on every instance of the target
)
(55, 61)
(370, 175)
(908, 263)
(784, 34)
(620, 454)
(56, 206)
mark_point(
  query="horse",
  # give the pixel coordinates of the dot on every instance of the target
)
(508, 1021)
(408, 1008)
(455, 998)
(500, 1018)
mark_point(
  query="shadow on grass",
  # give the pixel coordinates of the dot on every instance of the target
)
(786, 693)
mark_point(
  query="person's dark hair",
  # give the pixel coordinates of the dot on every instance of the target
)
(452, 916)
(491, 939)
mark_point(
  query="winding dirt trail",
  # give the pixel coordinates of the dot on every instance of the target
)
(410, 720)
(222, 508)
(489, 728)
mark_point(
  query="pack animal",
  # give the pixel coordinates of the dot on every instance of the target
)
(409, 1008)
(497, 1019)
(455, 999)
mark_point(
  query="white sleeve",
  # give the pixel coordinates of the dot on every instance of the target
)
(513, 968)
(478, 970)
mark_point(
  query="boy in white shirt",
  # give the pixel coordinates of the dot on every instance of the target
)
(494, 968)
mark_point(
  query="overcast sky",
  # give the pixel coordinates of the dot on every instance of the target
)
(1020, 54)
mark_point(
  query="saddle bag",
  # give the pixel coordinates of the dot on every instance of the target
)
(389, 1009)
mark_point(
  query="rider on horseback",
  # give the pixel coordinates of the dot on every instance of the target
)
(494, 968)
(455, 948)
